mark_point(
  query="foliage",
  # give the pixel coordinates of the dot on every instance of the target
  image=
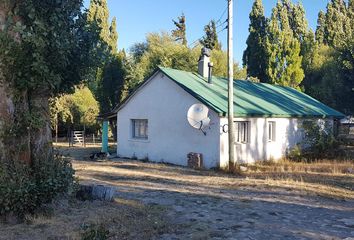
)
(109, 89)
(160, 49)
(318, 143)
(41, 59)
(109, 74)
(95, 232)
(78, 109)
(24, 188)
(329, 71)
(255, 55)
(180, 32)
(284, 61)
(210, 40)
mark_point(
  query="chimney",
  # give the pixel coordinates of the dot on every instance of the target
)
(210, 75)
(203, 63)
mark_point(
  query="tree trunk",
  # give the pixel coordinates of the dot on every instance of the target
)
(14, 136)
(25, 133)
(41, 133)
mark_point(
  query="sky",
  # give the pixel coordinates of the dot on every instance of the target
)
(136, 18)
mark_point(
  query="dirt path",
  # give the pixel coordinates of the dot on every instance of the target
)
(210, 205)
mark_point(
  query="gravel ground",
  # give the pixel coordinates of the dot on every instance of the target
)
(211, 205)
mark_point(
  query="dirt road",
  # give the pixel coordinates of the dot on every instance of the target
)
(211, 205)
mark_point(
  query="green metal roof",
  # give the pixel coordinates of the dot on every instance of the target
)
(250, 99)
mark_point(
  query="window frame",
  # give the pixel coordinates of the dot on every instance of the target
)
(140, 129)
(242, 132)
(272, 133)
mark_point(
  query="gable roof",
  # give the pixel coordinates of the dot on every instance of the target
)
(250, 99)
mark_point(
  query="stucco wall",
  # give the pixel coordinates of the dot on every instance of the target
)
(258, 148)
(171, 138)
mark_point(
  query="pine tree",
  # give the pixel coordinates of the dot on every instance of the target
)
(284, 61)
(210, 40)
(180, 32)
(255, 55)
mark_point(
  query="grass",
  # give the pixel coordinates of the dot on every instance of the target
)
(128, 219)
(329, 178)
(62, 220)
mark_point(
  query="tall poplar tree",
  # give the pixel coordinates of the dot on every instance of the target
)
(98, 15)
(113, 36)
(336, 23)
(110, 76)
(255, 55)
(321, 27)
(284, 50)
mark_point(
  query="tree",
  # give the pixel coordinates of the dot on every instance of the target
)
(210, 40)
(255, 55)
(283, 49)
(74, 111)
(110, 75)
(321, 27)
(336, 23)
(298, 22)
(84, 107)
(35, 65)
(180, 32)
(329, 67)
(113, 36)
(98, 15)
(111, 87)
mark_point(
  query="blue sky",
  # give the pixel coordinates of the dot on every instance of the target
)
(136, 18)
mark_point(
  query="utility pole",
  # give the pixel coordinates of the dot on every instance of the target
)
(231, 128)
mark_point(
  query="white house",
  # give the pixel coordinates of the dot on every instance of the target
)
(152, 121)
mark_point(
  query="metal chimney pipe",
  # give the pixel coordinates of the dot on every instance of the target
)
(210, 72)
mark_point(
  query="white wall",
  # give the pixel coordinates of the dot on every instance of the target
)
(171, 138)
(258, 147)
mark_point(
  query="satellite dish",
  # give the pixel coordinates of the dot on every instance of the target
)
(198, 116)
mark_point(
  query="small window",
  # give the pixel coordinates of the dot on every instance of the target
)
(140, 128)
(271, 131)
(242, 132)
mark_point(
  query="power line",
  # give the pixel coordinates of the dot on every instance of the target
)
(218, 23)
(194, 43)
(222, 15)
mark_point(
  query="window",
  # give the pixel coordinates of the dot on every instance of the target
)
(242, 132)
(140, 128)
(271, 131)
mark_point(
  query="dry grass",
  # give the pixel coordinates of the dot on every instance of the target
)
(322, 166)
(122, 218)
(328, 178)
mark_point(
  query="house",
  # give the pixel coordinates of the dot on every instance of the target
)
(152, 121)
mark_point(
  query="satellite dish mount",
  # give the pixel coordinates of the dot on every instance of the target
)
(198, 117)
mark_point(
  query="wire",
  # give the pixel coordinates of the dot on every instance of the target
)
(218, 25)
(222, 15)
(194, 43)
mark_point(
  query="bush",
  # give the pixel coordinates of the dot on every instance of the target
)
(318, 143)
(23, 188)
(95, 232)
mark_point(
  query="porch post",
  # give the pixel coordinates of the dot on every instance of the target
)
(105, 136)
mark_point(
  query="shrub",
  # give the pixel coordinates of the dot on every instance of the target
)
(95, 232)
(23, 188)
(318, 143)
